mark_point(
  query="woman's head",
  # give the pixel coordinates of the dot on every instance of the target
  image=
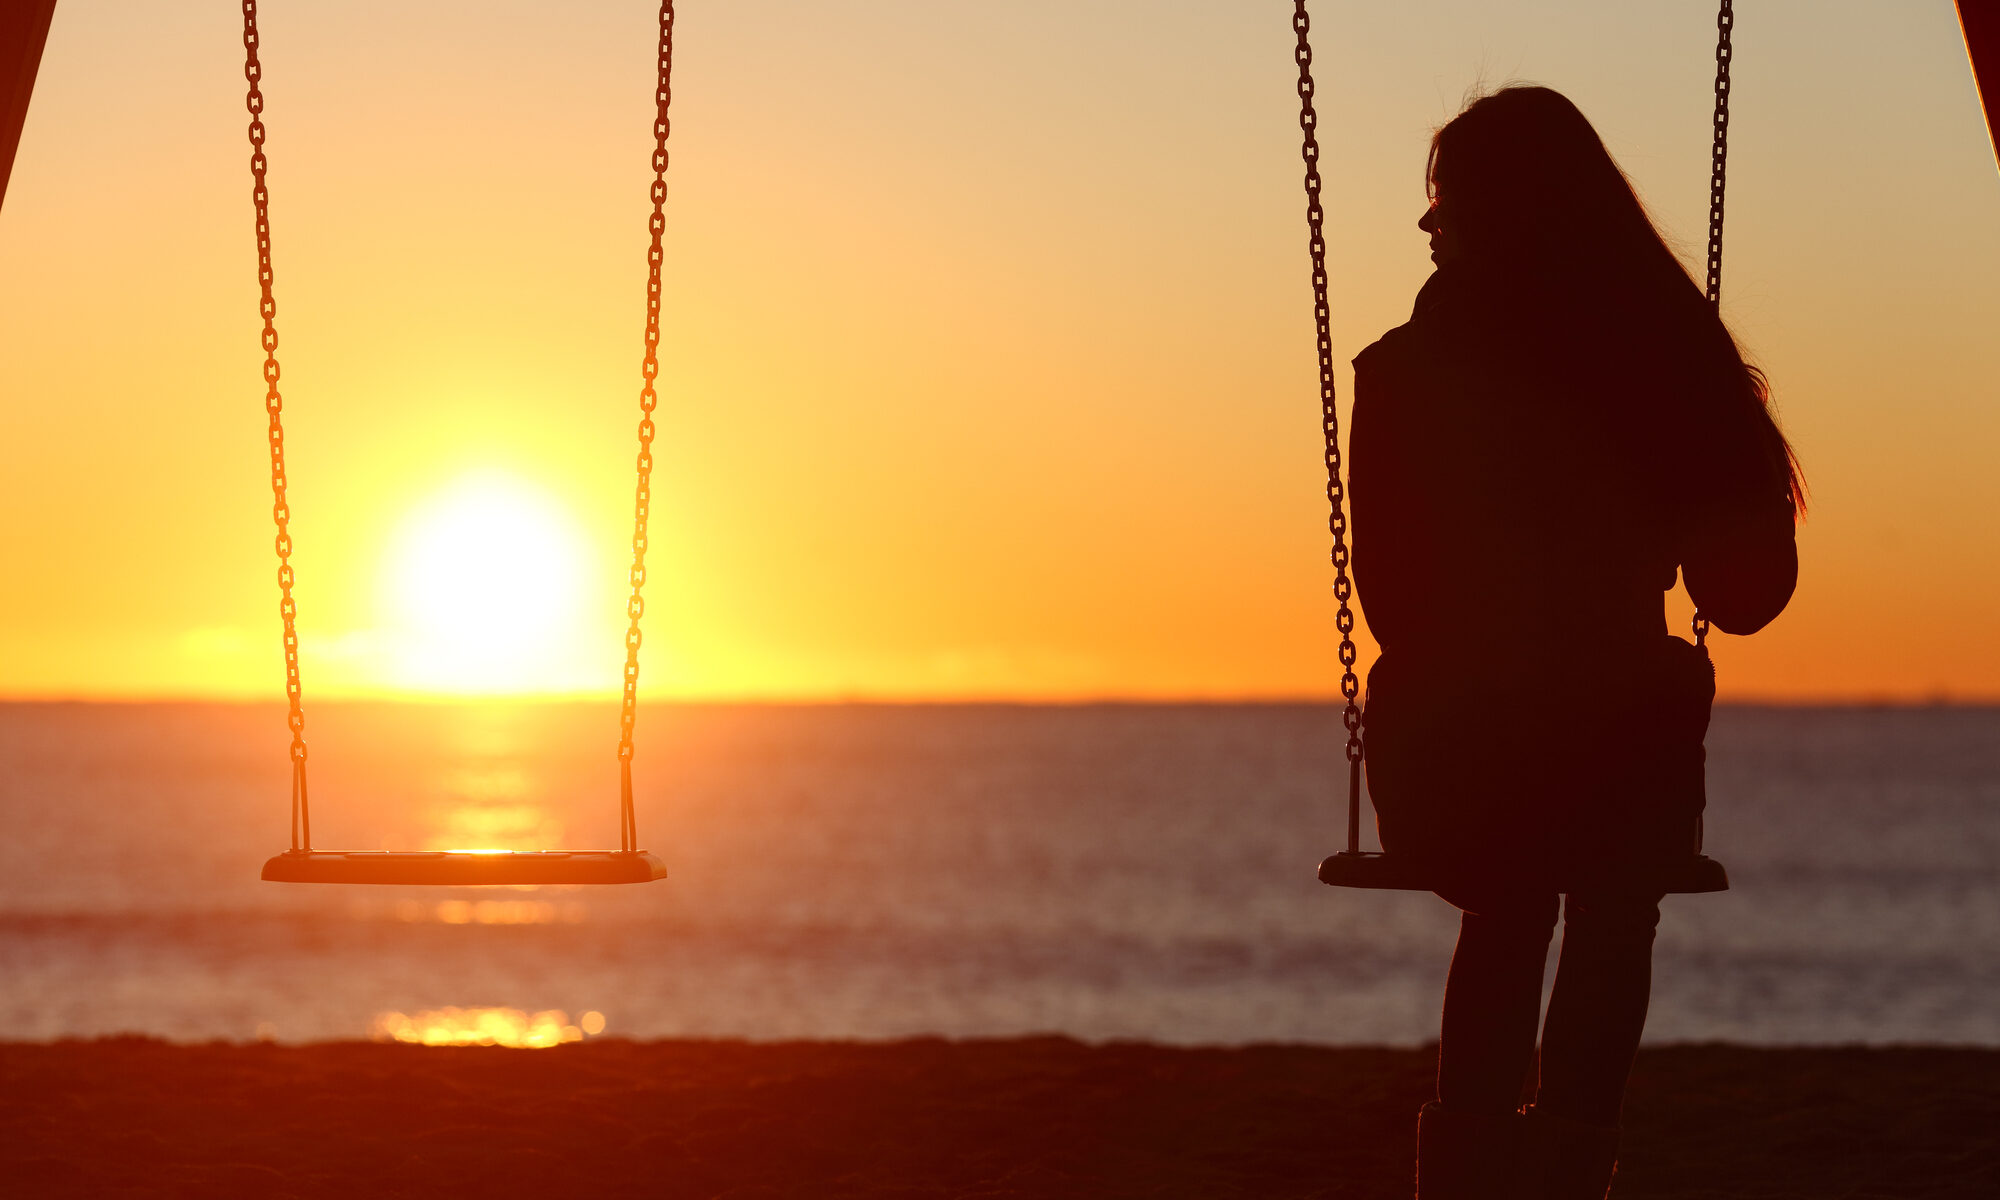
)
(1523, 191)
(1520, 181)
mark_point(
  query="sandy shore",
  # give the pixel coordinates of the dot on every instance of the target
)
(1020, 1117)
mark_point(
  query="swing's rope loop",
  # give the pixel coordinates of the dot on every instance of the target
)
(1725, 24)
(1336, 489)
(274, 407)
(649, 369)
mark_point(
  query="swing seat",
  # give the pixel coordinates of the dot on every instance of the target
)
(464, 868)
(1362, 869)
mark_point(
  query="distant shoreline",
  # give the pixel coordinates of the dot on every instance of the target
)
(1019, 1117)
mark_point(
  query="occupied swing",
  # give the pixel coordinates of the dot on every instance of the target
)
(1352, 866)
(459, 868)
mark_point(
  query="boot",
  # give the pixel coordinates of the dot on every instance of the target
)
(1468, 1156)
(1567, 1160)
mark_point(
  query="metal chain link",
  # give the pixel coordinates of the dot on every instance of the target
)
(648, 401)
(1336, 489)
(1725, 23)
(274, 405)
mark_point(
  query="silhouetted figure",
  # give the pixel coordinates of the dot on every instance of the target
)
(1563, 424)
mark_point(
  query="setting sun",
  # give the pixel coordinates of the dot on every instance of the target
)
(487, 587)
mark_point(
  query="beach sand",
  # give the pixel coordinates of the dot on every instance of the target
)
(1012, 1117)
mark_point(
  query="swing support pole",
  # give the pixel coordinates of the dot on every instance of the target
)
(24, 30)
(1979, 21)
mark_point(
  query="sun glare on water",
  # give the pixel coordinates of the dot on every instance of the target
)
(488, 586)
(486, 1027)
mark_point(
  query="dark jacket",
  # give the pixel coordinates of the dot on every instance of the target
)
(1528, 478)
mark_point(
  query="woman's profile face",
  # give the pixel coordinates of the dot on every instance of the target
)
(1443, 248)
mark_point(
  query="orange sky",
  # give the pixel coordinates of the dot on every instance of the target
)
(988, 364)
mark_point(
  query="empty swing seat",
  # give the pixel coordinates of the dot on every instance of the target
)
(1362, 869)
(453, 868)
(464, 868)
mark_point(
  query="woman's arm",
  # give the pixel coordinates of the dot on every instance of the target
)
(1387, 498)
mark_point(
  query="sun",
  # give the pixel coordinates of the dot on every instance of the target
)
(488, 587)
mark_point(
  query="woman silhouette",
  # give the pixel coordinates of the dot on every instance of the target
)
(1562, 426)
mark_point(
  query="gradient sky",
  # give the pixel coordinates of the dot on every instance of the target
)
(988, 363)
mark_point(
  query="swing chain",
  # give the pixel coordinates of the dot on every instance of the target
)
(274, 405)
(1336, 491)
(635, 607)
(1725, 23)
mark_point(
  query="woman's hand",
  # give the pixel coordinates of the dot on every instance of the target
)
(1741, 572)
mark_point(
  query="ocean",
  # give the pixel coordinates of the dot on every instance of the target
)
(878, 871)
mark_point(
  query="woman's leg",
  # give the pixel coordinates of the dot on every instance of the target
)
(1492, 1000)
(1598, 1008)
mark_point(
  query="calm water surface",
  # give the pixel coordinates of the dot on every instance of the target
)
(1107, 872)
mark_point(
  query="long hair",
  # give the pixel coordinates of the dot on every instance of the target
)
(1528, 192)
